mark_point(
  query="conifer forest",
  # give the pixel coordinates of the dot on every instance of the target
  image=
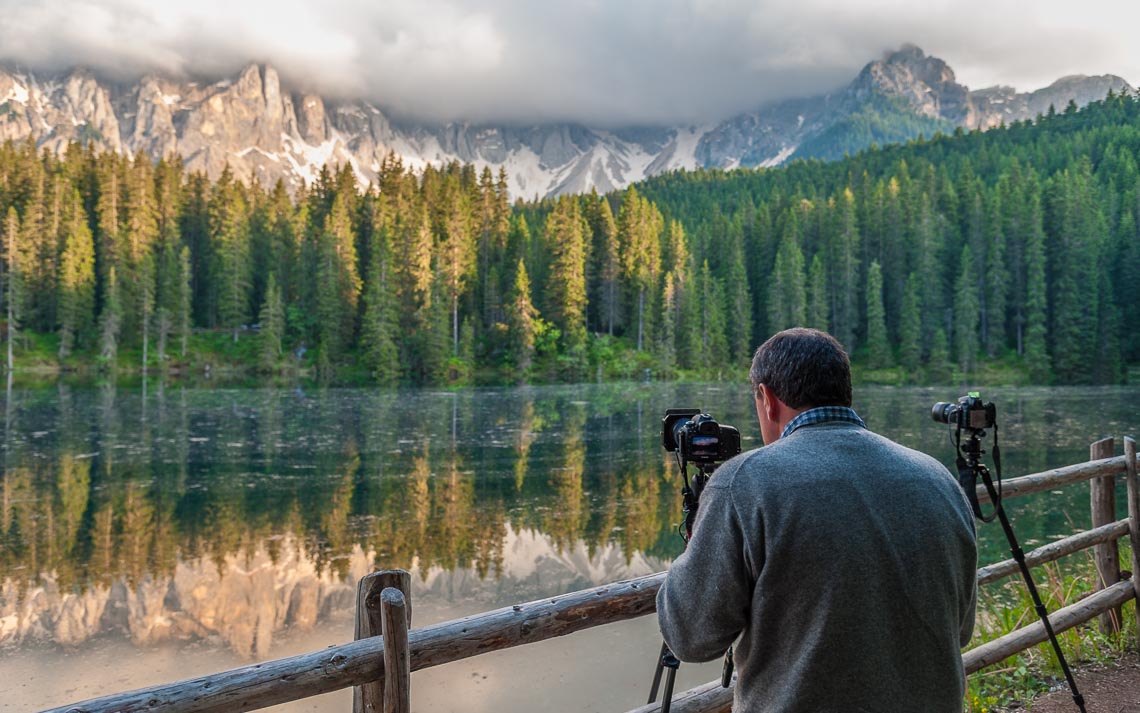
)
(1017, 246)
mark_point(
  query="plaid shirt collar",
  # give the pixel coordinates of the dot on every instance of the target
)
(822, 414)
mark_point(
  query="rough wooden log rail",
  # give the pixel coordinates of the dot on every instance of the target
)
(1062, 620)
(1056, 478)
(1055, 550)
(289, 679)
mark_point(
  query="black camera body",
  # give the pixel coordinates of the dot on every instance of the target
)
(698, 437)
(970, 413)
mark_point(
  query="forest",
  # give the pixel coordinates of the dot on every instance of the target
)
(1013, 252)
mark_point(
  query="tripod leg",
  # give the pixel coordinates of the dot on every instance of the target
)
(1042, 613)
(657, 673)
(670, 677)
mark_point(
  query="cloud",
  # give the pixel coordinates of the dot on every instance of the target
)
(605, 62)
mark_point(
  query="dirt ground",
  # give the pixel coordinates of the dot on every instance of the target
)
(1112, 689)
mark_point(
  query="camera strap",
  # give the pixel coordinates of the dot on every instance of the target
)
(968, 480)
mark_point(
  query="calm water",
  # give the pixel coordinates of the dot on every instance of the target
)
(148, 538)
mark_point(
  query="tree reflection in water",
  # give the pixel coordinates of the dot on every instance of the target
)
(186, 513)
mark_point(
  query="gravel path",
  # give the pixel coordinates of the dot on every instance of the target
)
(1111, 689)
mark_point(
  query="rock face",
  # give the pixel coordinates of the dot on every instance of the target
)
(259, 128)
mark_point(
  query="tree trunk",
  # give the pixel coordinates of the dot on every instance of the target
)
(640, 306)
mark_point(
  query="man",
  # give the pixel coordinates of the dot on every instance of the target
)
(844, 562)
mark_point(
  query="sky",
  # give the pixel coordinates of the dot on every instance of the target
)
(606, 63)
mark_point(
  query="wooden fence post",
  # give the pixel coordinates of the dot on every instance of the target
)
(1106, 555)
(368, 697)
(1133, 520)
(397, 661)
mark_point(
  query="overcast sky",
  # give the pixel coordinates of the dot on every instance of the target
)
(604, 62)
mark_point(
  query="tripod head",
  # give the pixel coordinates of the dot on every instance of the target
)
(696, 438)
(971, 417)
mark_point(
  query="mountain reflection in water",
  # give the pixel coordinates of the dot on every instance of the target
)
(234, 516)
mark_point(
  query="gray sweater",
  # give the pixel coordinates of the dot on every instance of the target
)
(846, 565)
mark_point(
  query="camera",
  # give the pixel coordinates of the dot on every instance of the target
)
(698, 437)
(969, 413)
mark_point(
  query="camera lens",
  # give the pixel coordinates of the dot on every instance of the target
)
(942, 411)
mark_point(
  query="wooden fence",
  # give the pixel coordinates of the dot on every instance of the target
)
(381, 674)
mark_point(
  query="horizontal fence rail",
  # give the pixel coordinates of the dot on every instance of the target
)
(362, 662)
(1055, 551)
(1056, 478)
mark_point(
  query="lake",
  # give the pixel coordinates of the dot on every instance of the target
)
(152, 535)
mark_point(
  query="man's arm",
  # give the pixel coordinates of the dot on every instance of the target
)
(969, 613)
(704, 603)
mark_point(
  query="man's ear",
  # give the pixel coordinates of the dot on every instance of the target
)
(771, 404)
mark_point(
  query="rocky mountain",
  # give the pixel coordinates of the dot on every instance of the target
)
(261, 128)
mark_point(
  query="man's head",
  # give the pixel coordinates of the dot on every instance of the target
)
(796, 370)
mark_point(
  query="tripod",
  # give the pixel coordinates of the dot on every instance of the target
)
(667, 663)
(969, 468)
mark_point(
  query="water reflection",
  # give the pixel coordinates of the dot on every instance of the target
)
(183, 514)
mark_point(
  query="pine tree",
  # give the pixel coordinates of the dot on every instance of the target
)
(787, 299)
(232, 269)
(185, 295)
(997, 282)
(966, 313)
(110, 319)
(14, 285)
(845, 274)
(272, 325)
(639, 236)
(706, 347)
(567, 285)
(145, 295)
(910, 326)
(380, 323)
(457, 252)
(878, 347)
(522, 323)
(817, 295)
(1076, 274)
(938, 366)
(667, 347)
(338, 283)
(77, 280)
(1036, 355)
(606, 264)
(739, 304)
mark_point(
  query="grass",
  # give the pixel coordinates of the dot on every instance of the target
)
(1007, 606)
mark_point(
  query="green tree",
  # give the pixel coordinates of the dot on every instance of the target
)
(77, 280)
(639, 235)
(878, 347)
(522, 323)
(272, 325)
(232, 269)
(185, 295)
(739, 304)
(787, 299)
(338, 282)
(456, 252)
(910, 326)
(966, 313)
(564, 232)
(817, 295)
(110, 319)
(1036, 354)
(14, 284)
(378, 328)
